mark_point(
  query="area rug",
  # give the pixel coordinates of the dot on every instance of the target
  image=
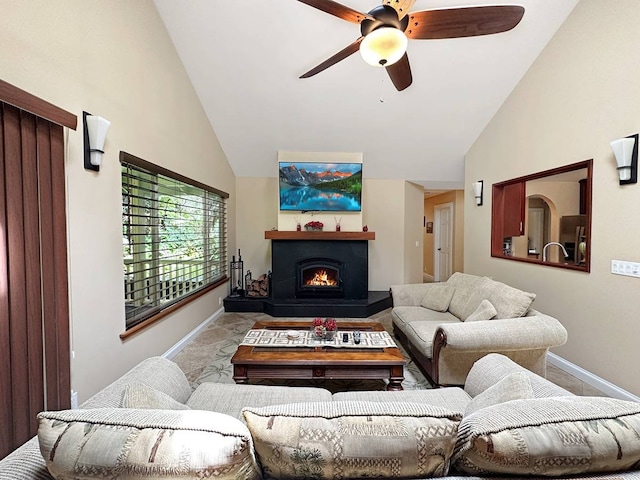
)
(208, 357)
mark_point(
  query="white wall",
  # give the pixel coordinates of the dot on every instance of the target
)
(580, 94)
(112, 59)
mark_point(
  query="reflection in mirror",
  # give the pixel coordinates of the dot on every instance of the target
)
(544, 217)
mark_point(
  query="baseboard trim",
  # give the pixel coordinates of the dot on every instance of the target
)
(590, 379)
(173, 351)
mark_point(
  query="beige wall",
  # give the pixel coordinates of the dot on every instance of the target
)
(413, 240)
(457, 198)
(112, 59)
(390, 208)
(580, 94)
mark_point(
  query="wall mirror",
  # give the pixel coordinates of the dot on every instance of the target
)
(545, 217)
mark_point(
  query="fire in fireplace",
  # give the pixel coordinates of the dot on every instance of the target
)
(319, 277)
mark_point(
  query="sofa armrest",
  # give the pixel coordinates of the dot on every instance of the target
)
(490, 369)
(524, 333)
(409, 295)
(156, 372)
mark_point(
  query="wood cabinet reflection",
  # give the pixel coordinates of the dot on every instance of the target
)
(541, 217)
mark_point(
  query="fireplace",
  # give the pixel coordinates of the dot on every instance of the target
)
(317, 274)
(319, 277)
(319, 269)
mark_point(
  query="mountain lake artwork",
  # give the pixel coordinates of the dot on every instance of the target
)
(323, 187)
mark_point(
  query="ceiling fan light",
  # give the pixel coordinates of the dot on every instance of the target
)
(383, 46)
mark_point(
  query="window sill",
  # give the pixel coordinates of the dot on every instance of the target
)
(169, 310)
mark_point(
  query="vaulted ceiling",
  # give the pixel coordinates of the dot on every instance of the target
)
(244, 59)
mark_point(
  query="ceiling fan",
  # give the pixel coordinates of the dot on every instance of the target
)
(385, 31)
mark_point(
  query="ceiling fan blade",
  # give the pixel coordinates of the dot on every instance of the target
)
(338, 10)
(400, 73)
(341, 55)
(401, 6)
(463, 22)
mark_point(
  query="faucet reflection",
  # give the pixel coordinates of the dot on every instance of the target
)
(544, 250)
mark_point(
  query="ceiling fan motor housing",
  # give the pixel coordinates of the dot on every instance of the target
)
(385, 16)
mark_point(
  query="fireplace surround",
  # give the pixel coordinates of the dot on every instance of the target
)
(341, 257)
(348, 258)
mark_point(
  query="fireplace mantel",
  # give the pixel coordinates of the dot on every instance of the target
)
(317, 235)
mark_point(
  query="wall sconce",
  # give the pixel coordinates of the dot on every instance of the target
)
(95, 133)
(478, 190)
(626, 152)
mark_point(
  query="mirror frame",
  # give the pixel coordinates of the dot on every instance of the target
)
(499, 200)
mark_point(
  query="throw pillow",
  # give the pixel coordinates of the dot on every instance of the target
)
(508, 301)
(131, 443)
(553, 436)
(438, 297)
(485, 311)
(515, 386)
(139, 395)
(353, 439)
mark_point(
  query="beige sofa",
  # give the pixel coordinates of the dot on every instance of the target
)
(447, 326)
(531, 426)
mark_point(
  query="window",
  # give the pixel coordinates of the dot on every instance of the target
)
(173, 236)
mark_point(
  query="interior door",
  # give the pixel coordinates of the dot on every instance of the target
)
(443, 245)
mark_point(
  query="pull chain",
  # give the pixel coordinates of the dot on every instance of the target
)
(382, 85)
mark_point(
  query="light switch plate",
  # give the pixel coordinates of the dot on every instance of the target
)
(621, 267)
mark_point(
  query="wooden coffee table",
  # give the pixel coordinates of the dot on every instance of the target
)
(319, 362)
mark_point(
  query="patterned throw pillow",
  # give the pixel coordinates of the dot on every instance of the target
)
(128, 443)
(353, 439)
(485, 311)
(438, 297)
(139, 395)
(550, 437)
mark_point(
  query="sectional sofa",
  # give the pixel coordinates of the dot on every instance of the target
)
(505, 421)
(447, 326)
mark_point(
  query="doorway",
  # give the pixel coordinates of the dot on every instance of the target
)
(443, 241)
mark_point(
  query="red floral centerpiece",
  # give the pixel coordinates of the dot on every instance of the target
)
(313, 225)
(325, 328)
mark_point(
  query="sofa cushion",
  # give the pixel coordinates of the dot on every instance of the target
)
(140, 395)
(467, 295)
(353, 439)
(403, 316)
(131, 443)
(451, 398)
(231, 398)
(509, 302)
(438, 297)
(550, 436)
(420, 334)
(515, 386)
(485, 311)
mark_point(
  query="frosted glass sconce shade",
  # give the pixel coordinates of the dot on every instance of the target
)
(95, 134)
(626, 153)
(383, 46)
(478, 191)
